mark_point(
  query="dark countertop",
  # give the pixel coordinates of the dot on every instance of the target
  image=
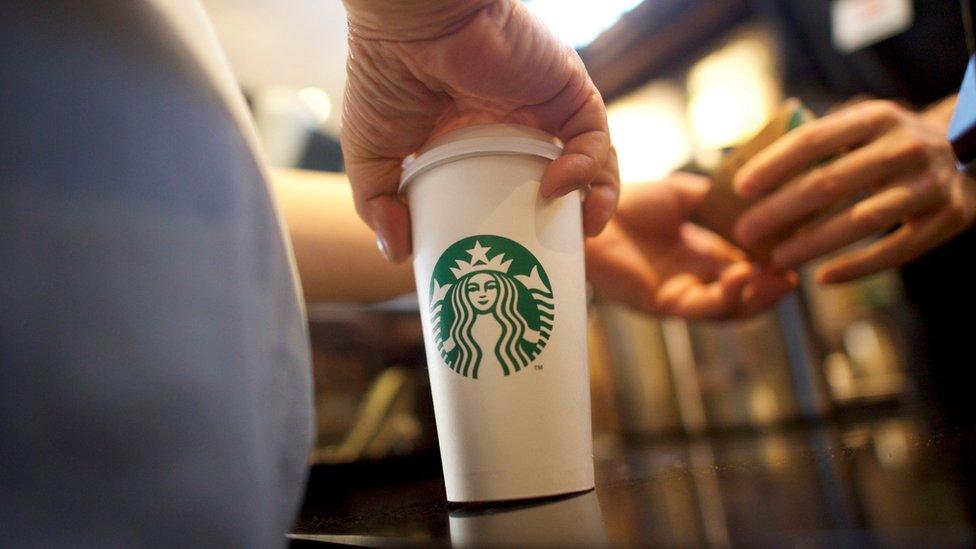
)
(885, 481)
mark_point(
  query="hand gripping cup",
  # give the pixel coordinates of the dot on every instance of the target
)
(502, 295)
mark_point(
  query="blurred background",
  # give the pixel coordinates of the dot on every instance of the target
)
(684, 81)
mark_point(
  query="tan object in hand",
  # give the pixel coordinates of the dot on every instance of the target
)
(721, 207)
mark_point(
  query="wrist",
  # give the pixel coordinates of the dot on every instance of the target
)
(940, 112)
(405, 20)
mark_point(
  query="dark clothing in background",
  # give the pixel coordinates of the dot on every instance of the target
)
(920, 66)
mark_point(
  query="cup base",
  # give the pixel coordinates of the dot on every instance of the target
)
(498, 488)
(461, 508)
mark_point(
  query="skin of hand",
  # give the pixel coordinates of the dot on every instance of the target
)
(418, 69)
(650, 258)
(898, 162)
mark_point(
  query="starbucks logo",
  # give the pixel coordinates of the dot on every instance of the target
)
(491, 305)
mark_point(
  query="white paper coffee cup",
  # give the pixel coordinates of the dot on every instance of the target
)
(502, 295)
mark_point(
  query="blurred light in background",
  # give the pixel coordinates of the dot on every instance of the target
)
(579, 22)
(284, 120)
(732, 92)
(292, 45)
(892, 448)
(650, 132)
(318, 103)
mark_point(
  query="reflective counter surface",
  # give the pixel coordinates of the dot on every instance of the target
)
(890, 480)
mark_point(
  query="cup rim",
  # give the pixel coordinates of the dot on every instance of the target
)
(473, 146)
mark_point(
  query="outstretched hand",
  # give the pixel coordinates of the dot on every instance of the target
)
(891, 170)
(420, 68)
(650, 258)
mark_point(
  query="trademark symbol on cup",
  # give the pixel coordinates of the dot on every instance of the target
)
(538, 366)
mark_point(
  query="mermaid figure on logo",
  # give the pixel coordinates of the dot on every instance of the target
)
(487, 310)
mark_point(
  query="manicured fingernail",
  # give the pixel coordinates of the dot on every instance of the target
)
(383, 248)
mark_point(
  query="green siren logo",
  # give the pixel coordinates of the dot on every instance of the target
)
(491, 304)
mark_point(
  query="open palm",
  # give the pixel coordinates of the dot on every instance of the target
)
(650, 258)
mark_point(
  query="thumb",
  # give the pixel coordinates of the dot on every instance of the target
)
(689, 189)
(374, 184)
(662, 207)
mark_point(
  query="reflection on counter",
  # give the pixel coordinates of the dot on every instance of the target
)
(889, 481)
(566, 521)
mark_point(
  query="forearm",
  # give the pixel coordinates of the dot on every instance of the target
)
(410, 19)
(335, 251)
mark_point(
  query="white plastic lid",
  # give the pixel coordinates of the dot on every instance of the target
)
(484, 140)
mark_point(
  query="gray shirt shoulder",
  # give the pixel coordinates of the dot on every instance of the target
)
(155, 382)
